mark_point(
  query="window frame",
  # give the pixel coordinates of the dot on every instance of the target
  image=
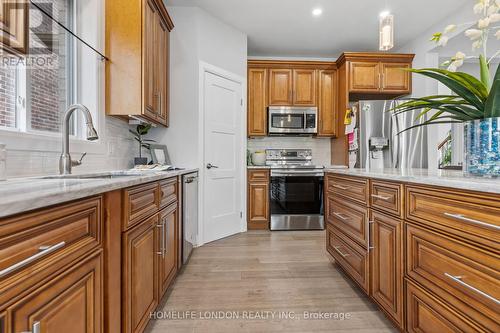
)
(23, 137)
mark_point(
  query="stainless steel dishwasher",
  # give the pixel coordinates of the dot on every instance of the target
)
(189, 214)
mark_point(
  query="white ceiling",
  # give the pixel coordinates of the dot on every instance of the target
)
(287, 28)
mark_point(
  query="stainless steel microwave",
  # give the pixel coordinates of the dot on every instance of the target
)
(285, 120)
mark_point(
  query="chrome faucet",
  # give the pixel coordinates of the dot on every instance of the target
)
(65, 161)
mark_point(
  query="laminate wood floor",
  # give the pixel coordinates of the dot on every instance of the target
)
(239, 283)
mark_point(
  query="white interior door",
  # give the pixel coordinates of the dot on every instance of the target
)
(223, 157)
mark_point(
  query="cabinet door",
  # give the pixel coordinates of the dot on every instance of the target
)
(395, 79)
(364, 77)
(257, 102)
(304, 87)
(71, 302)
(167, 247)
(162, 72)
(140, 295)
(280, 87)
(326, 102)
(148, 62)
(387, 270)
(14, 25)
(258, 199)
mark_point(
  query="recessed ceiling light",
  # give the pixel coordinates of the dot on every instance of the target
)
(385, 13)
(317, 11)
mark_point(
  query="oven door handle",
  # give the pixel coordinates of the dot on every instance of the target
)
(297, 174)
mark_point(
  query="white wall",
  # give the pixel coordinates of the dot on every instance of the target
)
(427, 55)
(197, 36)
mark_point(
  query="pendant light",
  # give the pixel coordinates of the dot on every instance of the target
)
(386, 31)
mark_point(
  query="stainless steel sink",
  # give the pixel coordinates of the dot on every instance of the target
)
(107, 175)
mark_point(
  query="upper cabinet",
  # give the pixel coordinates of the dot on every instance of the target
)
(381, 74)
(327, 97)
(137, 75)
(14, 26)
(280, 87)
(304, 87)
(257, 102)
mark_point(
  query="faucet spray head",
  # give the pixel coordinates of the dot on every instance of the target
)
(91, 133)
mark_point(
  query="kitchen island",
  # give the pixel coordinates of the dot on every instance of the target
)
(423, 245)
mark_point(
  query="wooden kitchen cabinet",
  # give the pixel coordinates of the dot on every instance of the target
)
(258, 199)
(304, 87)
(327, 99)
(140, 275)
(281, 87)
(386, 250)
(167, 247)
(394, 78)
(14, 26)
(365, 77)
(137, 76)
(71, 302)
(257, 102)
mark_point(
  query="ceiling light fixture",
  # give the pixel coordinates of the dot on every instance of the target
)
(386, 31)
(317, 11)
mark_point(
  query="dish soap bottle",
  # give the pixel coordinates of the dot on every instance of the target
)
(3, 162)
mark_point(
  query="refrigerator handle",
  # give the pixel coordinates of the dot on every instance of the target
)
(397, 150)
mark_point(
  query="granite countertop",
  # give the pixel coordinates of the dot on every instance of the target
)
(444, 178)
(18, 195)
(258, 167)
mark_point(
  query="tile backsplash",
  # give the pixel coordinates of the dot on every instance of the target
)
(321, 149)
(119, 152)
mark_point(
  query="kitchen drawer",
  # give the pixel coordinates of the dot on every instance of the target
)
(34, 245)
(258, 175)
(350, 256)
(387, 197)
(139, 203)
(427, 314)
(351, 188)
(466, 277)
(475, 217)
(349, 217)
(168, 192)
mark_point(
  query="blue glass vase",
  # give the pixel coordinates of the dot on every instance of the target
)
(482, 142)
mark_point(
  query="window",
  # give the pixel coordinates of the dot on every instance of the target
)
(36, 90)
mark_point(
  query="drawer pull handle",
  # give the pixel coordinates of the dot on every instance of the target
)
(340, 216)
(472, 221)
(340, 252)
(458, 279)
(44, 250)
(381, 197)
(340, 187)
(162, 243)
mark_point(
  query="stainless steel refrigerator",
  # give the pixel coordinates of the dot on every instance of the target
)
(376, 142)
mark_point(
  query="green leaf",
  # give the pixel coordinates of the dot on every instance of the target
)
(455, 86)
(432, 123)
(492, 106)
(485, 71)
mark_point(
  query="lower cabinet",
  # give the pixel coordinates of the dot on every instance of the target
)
(167, 247)
(426, 314)
(70, 302)
(140, 271)
(386, 251)
(258, 199)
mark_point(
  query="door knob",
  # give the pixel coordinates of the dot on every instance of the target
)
(210, 166)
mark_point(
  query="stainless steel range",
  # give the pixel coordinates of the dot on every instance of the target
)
(296, 190)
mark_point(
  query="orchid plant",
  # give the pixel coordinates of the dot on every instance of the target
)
(473, 98)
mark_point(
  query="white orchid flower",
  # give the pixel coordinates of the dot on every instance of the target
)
(460, 56)
(452, 67)
(497, 2)
(478, 8)
(443, 41)
(477, 44)
(492, 10)
(450, 28)
(473, 34)
(494, 18)
(483, 23)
